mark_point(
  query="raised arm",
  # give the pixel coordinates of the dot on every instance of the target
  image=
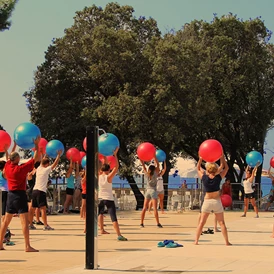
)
(163, 170)
(6, 152)
(77, 169)
(57, 159)
(225, 165)
(200, 170)
(14, 146)
(116, 168)
(68, 173)
(157, 165)
(36, 155)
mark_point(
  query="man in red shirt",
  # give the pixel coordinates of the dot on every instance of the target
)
(17, 199)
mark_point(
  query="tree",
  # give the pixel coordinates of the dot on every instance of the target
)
(100, 57)
(6, 9)
(221, 74)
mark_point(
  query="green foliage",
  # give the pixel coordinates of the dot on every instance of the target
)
(208, 80)
(6, 9)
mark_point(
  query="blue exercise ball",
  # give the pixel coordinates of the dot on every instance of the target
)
(254, 157)
(25, 133)
(53, 147)
(107, 143)
(160, 155)
(84, 162)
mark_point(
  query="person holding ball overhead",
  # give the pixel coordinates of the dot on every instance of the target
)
(17, 199)
(248, 190)
(151, 175)
(211, 179)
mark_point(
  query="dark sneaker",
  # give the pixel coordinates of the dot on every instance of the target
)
(159, 225)
(39, 223)
(142, 225)
(32, 227)
(48, 228)
(121, 238)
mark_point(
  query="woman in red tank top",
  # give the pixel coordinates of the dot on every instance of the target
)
(226, 188)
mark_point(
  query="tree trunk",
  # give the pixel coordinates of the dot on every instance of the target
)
(137, 193)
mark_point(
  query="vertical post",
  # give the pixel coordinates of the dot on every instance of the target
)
(0, 205)
(92, 199)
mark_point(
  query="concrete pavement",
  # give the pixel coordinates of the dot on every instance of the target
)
(62, 251)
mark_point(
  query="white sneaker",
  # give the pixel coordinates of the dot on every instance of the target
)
(48, 228)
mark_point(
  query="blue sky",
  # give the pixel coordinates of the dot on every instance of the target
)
(36, 22)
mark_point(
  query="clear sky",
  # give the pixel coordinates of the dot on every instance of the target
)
(36, 22)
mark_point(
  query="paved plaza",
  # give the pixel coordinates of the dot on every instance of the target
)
(62, 251)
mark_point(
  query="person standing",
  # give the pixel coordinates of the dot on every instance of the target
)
(77, 196)
(160, 190)
(106, 197)
(70, 187)
(249, 192)
(17, 199)
(151, 175)
(271, 192)
(211, 180)
(39, 194)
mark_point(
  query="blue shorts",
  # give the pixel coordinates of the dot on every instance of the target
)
(151, 194)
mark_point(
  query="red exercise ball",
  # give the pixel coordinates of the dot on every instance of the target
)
(111, 161)
(5, 140)
(211, 150)
(146, 151)
(85, 144)
(73, 154)
(226, 200)
(272, 162)
(101, 157)
(82, 154)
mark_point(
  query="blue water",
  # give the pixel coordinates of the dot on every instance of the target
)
(174, 183)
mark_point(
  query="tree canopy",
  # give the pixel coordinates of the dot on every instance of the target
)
(207, 80)
(6, 9)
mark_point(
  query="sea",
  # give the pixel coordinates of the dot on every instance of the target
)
(174, 183)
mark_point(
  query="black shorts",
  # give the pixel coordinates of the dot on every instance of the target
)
(69, 191)
(84, 196)
(4, 202)
(111, 209)
(39, 198)
(249, 195)
(17, 202)
(29, 194)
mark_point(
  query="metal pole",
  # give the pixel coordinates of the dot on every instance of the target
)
(92, 199)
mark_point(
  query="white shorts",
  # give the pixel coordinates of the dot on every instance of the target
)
(212, 205)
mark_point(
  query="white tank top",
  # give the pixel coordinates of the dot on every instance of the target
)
(247, 186)
(105, 188)
(160, 183)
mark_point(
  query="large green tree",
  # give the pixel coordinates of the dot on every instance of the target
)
(221, 75)
(6, 9)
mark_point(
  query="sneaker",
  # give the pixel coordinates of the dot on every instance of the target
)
(257, 216)
(243, 215)
(48, 228)
(142, 225)
(39, 223)
(121, 238)
(159, 225)
(34, 222)
(32, 227)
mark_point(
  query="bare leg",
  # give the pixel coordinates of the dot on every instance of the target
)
(25, 229)
(43, 210)
(67, 203)
(31, 214)
(154, 203)
(101, 224)
(4, 226)
(272, 236)
(149, 206)
(37, 214)
(116, 228)
(161, 203)
(215, 224)
(203, 217)
(143, 213)
(246, 202)
(255, 207)
(220, 219)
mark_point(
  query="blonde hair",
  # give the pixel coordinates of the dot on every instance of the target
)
(211, 168)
